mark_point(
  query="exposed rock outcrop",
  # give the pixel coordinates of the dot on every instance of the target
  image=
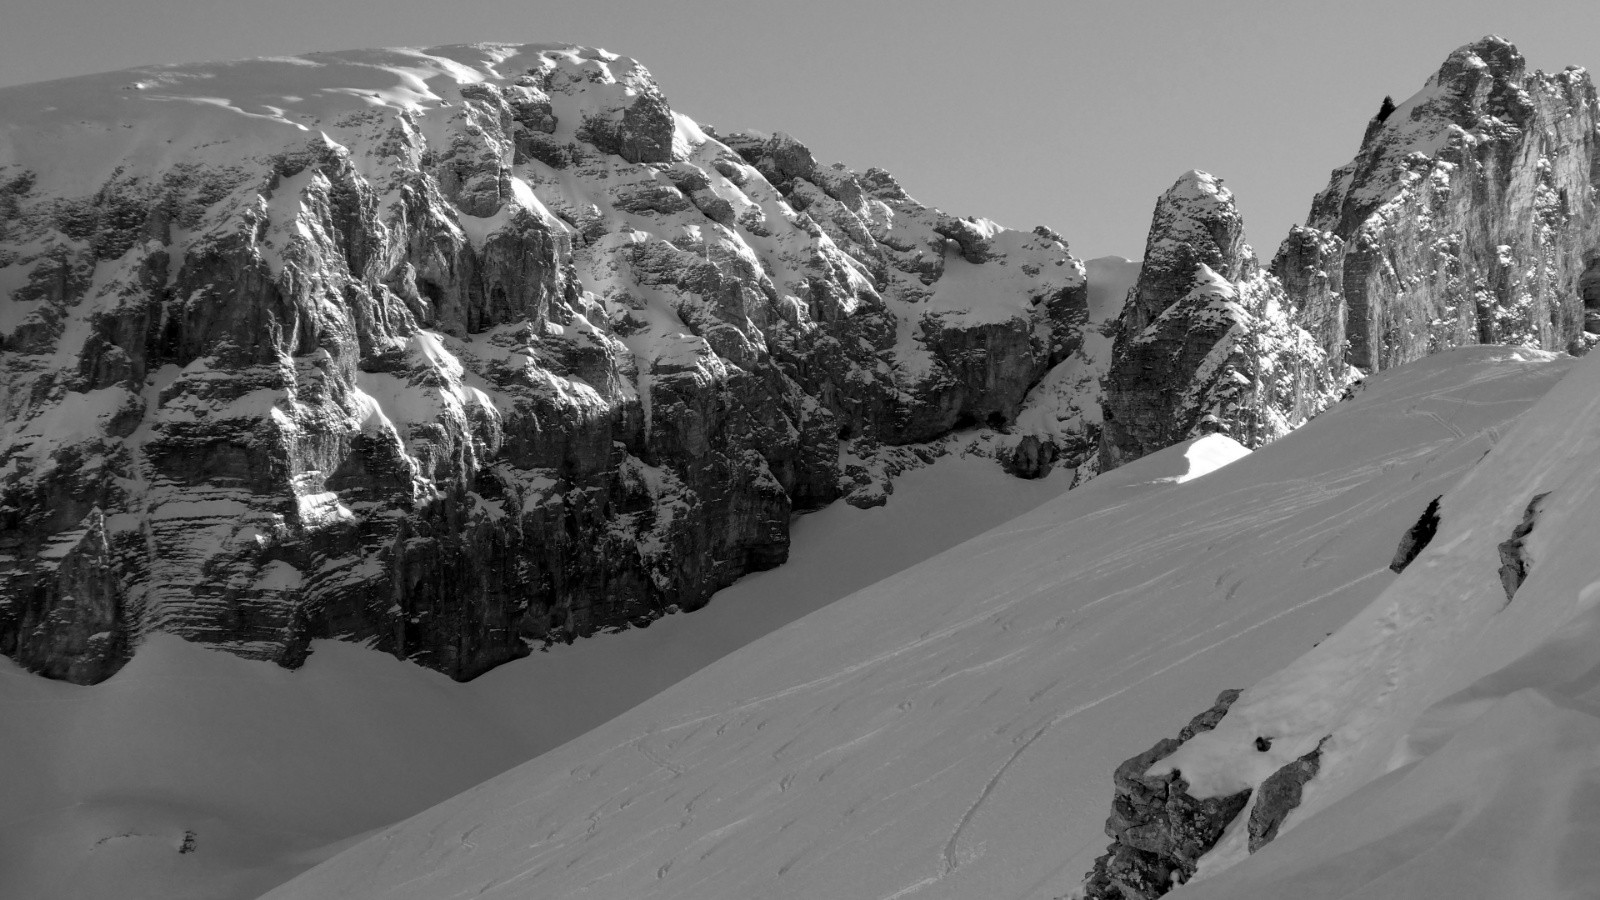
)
(1417, 537)
(1515, 564)
(1278, 796)
(1206, 342)
(454, 352)
(1158, 830)
(1468, 216)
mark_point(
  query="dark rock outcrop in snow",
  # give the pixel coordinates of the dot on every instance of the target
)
(1514, 561)
(1417, 537)
(1207, 342)
(1468, 216)
(1158, 830)
(1279, 794)
(453, 352)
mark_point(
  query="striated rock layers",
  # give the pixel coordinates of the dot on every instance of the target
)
(453, 352)
(1468, 216)
(1207, 341)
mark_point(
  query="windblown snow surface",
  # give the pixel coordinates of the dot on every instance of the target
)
(950, 731)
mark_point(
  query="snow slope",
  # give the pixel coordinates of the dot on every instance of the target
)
(951, 731)
(272, 769)
(1464, 755)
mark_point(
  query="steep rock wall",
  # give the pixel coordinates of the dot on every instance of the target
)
(1468, 216)
(1207, 341)
(452, 352)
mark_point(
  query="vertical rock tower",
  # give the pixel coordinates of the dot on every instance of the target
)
(1205, 343)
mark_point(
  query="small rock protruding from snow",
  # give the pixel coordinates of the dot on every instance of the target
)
(1515, 564)
(1279, 795)
(1417, 537)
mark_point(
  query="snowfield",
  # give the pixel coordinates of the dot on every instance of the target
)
(950, 731)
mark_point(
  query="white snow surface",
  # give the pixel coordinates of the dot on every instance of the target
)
(1210, 453)
(951, 730)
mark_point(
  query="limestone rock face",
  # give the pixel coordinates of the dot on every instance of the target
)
(453, 352)
(1468, 216)
(1207, 341)
(1158, 830)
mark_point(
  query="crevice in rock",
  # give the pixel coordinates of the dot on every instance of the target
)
(1158, 831)
(1280, 794)
(1515, 563)
(1417, 537)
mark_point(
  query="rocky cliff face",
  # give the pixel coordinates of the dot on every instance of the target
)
(1468, 216)
(1207, 341)
(453, 352)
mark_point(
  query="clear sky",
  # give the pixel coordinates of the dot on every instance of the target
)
(1072, 114)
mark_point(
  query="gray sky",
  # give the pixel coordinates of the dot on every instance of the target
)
(1072, 114)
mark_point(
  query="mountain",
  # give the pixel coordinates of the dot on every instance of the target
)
(1468, 216)
(457, 352)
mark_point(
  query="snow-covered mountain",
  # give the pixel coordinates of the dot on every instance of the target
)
(457, 351)
(450, 353)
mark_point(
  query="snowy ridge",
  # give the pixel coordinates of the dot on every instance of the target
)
(948, 732)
